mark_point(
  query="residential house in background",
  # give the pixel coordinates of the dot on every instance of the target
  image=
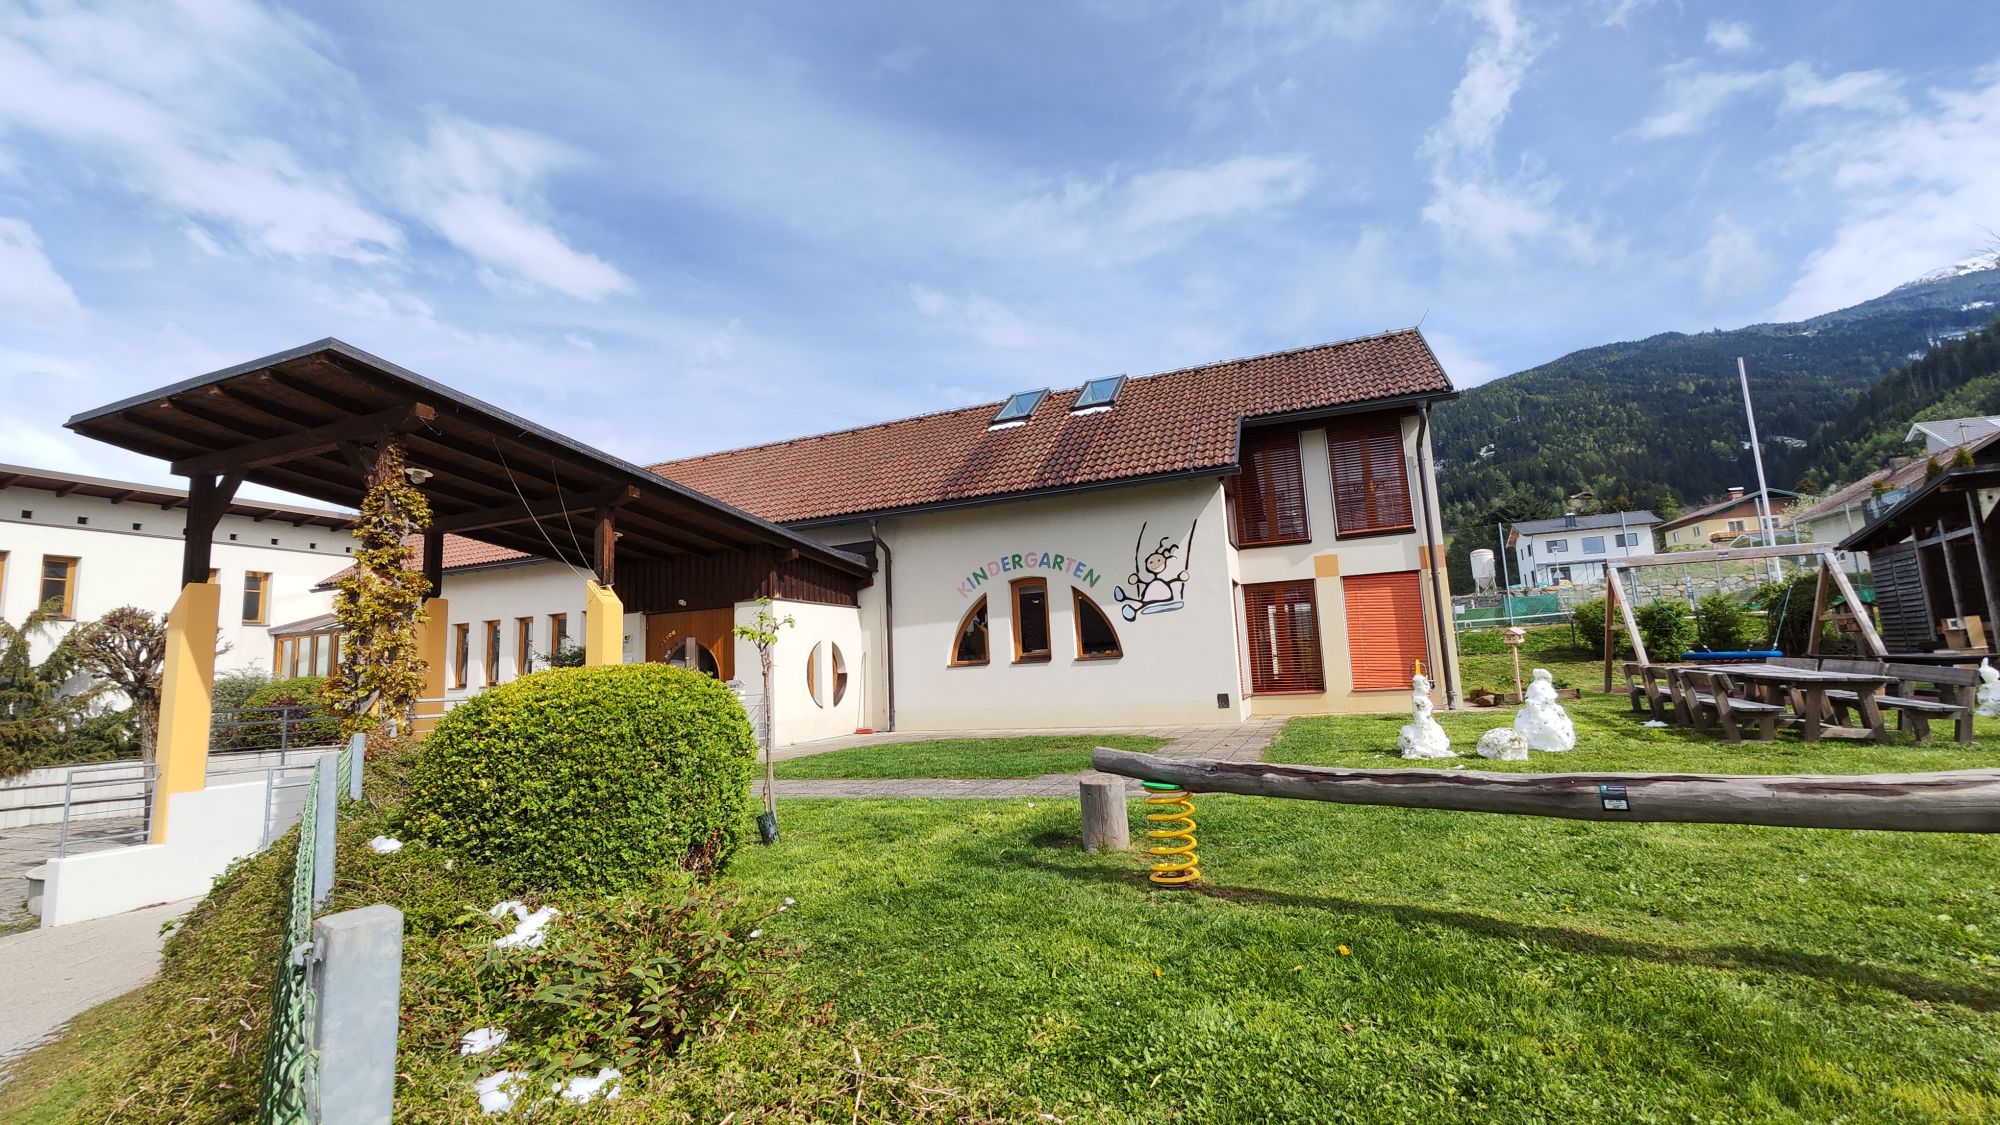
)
(90, 545)
(1848, 509)
(1572, 548)
(1942, 435)
(1718, 523)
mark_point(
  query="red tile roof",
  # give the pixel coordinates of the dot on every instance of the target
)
(1175, 422)
(459, 553)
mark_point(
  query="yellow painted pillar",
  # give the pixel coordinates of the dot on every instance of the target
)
(187, 681)
(431, 634)
(603, 626)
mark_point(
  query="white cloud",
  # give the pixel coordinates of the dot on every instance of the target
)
(901, 60)
(1857, 89)
(159, 93)
(1465, 366)
(1250, 49)
(1618, 12)
(1495, 217)
(1733, 262)
(480, 186)
(31, 291)
(1693, 95)
(1730, 35)
(1494, 70)
(1247, 183)
(1917, 193)
(986, 320)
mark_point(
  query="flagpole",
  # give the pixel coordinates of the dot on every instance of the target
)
(1764, 523)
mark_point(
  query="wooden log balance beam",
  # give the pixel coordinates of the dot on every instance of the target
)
(1956, 801)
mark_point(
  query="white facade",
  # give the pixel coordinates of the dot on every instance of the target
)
(129, 553)
(1548, 556)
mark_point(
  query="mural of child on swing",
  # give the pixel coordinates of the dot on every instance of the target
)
(1152, 589)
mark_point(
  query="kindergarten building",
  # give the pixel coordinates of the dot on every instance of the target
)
(1248, 538)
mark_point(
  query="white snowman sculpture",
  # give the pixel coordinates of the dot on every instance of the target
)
(1989, 690)
(1542, 721)
(1422, 737)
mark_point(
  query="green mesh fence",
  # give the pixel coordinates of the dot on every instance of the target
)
(291, 1067)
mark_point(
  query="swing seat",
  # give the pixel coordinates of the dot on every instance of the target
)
(1744, 656)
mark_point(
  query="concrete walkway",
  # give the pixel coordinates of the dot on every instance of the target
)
(1242, 742)
(29, 846)
(48, 976)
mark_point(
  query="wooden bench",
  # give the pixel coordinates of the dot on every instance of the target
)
(1651, 688)
(1955, 689)
(1809, 663)
(1710, 704)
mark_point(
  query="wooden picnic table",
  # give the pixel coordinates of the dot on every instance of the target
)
(1806, 688)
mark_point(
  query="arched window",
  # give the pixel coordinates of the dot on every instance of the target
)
(839, 673)
(1095, 638)
(970, 646)
(1031, 620)
(812, 677)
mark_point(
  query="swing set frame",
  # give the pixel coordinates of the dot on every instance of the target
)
(1830, 574)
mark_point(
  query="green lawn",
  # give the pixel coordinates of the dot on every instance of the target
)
(1495, 968)
(1029, 756)
(1486, 664)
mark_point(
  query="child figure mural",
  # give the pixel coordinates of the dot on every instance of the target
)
(1153, 591)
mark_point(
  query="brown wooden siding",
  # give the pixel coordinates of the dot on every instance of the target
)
(720, 580)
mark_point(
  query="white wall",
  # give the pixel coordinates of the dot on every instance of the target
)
(120, 566)
(208, 829)
(800, 719)
(504, 593)
(1174, 664)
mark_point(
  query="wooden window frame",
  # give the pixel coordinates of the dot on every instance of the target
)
(558, 632)
(461, 654)
(1367, 432)
(73, 566)
(812, 675)
(263, 616)
(524, 643)
(492, 652)
(1254, 602)
(960, 633)
(3, 578)
(1250, 488)
(837, 668)
(1077, 601)
(1014, 592)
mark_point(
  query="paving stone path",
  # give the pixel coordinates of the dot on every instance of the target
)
(49, 976)
(1244, 742)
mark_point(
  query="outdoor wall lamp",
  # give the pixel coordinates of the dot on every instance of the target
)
(418, 476)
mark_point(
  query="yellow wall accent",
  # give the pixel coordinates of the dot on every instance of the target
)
(431, 634)
(603, 626)
(1326, 566)
(187, 679)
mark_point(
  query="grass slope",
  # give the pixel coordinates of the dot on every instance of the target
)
(1378, 964)
(1028, 756)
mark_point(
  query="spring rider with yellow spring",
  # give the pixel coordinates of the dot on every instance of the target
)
(1170, 811)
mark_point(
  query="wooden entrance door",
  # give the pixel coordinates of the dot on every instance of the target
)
(711, 630)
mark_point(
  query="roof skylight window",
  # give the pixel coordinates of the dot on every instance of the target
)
(1017, 408)
(1097, 395)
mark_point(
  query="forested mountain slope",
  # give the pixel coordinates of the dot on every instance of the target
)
(1650, 422)
(1959, 379)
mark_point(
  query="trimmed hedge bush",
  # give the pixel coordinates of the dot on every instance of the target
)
(589, 778)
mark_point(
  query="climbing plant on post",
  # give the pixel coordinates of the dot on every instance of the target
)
(764, 634)
(380, 603)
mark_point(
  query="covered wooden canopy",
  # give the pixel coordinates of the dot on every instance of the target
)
(306, 421)
(1936, 556)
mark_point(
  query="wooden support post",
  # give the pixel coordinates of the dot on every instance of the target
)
(605, 555)
(1989, 581)
(434, 561)
(1868, 633)
(1819, 613)
(1610, 599)
(1950, 573)
(1958, 801)
(1632, 632)
(1106, 827)
(208, 502)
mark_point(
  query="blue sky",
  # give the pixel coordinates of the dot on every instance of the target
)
(666, 229)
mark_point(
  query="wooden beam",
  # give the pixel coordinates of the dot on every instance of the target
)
(605, 548)
(1861, 616)
(1959, 801)
(1611, 598)
(288, 447)
(1632, 626)
(434, 561)
(507, 514)
(208, 500)
(1989, 582)
(1819, 612)
(1775, 551)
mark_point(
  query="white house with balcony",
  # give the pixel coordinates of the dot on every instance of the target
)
(1572, 548)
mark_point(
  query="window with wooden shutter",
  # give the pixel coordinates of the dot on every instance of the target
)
(1385, 629)
(1371, 490)
(1282, 623)
(1271, 490)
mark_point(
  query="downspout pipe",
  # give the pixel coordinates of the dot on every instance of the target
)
(888, 621)
(1441, 596)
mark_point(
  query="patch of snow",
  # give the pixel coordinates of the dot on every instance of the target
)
(1975, 264)
(1655, 724)
(497, 1092)
(1422, 737)
(480, 1040)
(383, 845)
(1503, 744)
(1989, 690)
(1542, 721)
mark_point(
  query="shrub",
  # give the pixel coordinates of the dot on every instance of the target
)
(1722, 624)
(232, 691)
(319, 728)
(1796, 628)
(1667, 629)
(589, 778)
(1589, 619)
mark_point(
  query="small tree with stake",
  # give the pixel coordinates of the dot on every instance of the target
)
(764, 634)
(380, 603)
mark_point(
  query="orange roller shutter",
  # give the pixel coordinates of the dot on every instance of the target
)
(1385, 629)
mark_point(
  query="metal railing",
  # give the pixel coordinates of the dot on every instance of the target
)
(234, 730)
(287, 794)
(77, 796)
